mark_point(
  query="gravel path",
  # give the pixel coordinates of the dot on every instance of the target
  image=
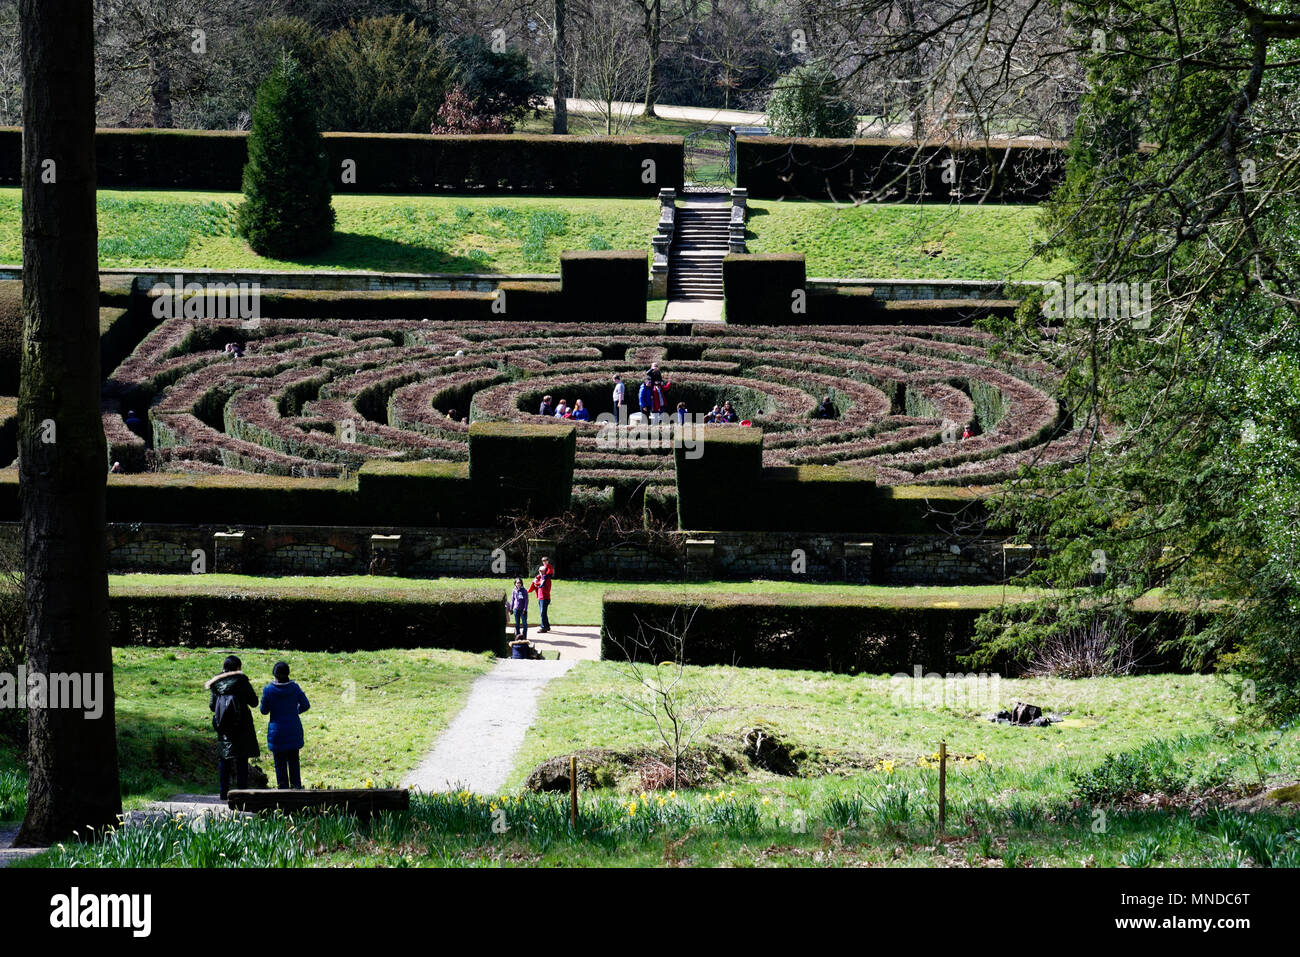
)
(477, 751)
(9, 853)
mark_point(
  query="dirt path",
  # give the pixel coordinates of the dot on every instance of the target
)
(477, 751)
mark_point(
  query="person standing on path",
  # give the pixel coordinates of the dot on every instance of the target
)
(620, 399)
(542, 586)
(519, 606)
(284, 701)
(232, 702)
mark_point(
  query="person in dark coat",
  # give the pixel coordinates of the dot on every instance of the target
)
(231, 703)
(283, 700)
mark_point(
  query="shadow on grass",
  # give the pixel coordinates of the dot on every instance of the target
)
(361, 251)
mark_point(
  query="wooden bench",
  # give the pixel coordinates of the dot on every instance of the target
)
(360, 801)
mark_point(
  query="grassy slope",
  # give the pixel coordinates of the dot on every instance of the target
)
(374, 714)
(573, 602)
(904, 241)
(382, 233)
(875, 716)
(527, 234)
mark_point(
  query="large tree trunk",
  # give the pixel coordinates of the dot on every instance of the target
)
(561, 122)
(652, 26)
(160, 89)
(72, 757)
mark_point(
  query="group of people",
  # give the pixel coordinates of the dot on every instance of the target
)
(721, 413)
(232, 702)
(576, 412)
(653, 401)
(518, 601)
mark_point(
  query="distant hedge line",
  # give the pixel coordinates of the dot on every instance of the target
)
(412, 494)
(771, 289)
(773, 167)
(804, 498)
(608, 285)
(467, 620)
(388, 163)
(841, 633)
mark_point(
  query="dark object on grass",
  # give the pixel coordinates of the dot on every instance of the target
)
(362, 802)
(1028, 715)
(767, 751)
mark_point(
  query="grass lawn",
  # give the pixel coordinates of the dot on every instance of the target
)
(591, 124)
(903, 241)
(195, 230)
(374, 715)
(1013, 800)
(885, 719)
(573, 602)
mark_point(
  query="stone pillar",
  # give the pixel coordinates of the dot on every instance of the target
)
(660, 242)
(857, 562)
(739, 213)
(699, 557)
(1015, 560)
(228, 552)
(385, 555)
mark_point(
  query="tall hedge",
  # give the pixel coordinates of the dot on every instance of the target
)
(286, 210)
(773, 167)
(853, 634)
(303, 620)
(421, 494)
(522, 467)
(714, 484)
(842, 633)
(765, 289)
(726, 488)
(388, 162)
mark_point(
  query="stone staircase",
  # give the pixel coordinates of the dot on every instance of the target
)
(700, 237)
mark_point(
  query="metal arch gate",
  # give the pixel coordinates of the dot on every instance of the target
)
(707, 160)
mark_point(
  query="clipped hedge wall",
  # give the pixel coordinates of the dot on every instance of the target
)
(842, 633)
(726, 488)
(774, 167)
(303, 620)
(387, 163)
(851, 634)
(758, 288)
(421, 493)
(715, 486)
(855, 306)
(124, 320)
(606, 285)
(517, 466)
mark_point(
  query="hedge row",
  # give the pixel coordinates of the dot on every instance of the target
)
(388, 163)
(771, 289)
(523, 468)
(605, 286)
(467, 620)
(511, 466)
(726, 488)
(843, 633)
(124, 320)
(772, 167)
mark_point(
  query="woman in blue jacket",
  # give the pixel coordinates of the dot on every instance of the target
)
(283, 700)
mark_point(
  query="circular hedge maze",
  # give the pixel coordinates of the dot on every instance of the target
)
(319, 397)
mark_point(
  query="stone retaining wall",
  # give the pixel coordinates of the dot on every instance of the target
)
(479, 553)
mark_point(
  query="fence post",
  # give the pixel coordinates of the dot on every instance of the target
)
(943, 787)
(573, 790)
